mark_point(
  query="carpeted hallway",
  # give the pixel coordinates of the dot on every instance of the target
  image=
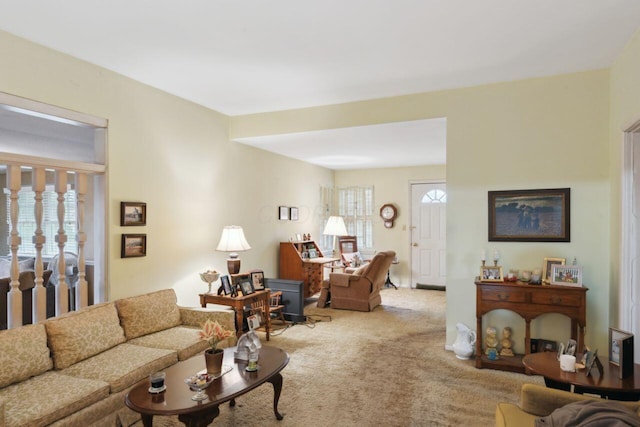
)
(387, 367)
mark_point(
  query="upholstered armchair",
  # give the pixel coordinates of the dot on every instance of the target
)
(360, 291)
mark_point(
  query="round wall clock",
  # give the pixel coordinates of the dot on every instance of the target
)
(388, 213)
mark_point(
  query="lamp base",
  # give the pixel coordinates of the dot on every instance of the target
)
(233, 265)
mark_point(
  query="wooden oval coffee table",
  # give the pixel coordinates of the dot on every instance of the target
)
(606, 385)
(176, 399)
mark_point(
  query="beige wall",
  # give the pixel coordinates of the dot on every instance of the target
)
(625, 111)
(175, 156)
(537, 133)
(391, 185)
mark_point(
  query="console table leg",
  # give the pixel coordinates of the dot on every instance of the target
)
(276, 380)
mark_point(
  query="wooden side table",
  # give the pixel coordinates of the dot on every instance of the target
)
(608, 385)
(238, 304)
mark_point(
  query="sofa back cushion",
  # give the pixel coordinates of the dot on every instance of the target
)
(78, 335)
(24, 353)
(148, 313)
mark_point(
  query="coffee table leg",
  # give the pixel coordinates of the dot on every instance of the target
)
(276, 380)
(147, 420)
(199, 419)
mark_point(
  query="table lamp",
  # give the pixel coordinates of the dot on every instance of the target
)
(233, 241)
(335, 227)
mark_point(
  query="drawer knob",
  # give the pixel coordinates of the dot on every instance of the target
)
(556, 300)
(503, 297)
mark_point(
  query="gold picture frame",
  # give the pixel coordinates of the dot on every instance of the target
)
(547, 267)
(491, 273)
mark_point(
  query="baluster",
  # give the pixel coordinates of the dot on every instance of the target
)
(39, 293)
(14, 297)
(62, 290)
(81, 292)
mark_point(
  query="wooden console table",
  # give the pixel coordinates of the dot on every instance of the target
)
(239, 303)
(529, 301)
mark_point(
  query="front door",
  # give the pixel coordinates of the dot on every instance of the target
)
(428, 234)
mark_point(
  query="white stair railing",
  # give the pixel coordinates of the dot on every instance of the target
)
(39, 293)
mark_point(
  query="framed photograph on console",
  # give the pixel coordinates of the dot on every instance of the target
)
(530, 215)
(566, 275)
(491, 274)
(546, 268)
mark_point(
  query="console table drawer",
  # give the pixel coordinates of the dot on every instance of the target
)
(555, 299)
(505, 295)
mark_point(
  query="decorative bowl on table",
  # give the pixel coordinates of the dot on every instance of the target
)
(209, 277)
(198, 383)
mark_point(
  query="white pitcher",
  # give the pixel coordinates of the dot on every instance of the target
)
(466, 339)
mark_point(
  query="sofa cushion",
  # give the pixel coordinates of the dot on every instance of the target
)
(148, 313)
(184, 340)
(78, 335)
(123, 366)
(24, 353)
(43, 399)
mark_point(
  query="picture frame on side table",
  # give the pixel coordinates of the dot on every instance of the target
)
(257, 279)
(546, 268)
(246, 287)
(566, 275)
(283, 213)
(226, 285)
(530, 215)
(621, 351)
(491, 274)
(133, 245)
(133, 213)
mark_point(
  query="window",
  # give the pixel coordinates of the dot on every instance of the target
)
(27, 221)
(356, 206)
(435, 196)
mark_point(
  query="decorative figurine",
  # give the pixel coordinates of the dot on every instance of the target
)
(491, 341)
(506, 342)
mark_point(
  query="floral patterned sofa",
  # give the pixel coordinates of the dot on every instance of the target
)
(74, 370)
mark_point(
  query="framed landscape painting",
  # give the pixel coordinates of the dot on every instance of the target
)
(530, 215)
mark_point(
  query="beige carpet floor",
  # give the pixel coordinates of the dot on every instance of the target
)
(383, 368)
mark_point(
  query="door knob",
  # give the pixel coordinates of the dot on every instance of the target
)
(415, 244)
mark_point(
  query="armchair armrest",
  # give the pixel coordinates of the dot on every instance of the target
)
(341, 279)
(542, 401)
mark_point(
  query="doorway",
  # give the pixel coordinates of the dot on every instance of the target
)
(629, 312)
(428, 235)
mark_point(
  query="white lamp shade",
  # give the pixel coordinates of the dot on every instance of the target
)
(335, 227)
(233, 240)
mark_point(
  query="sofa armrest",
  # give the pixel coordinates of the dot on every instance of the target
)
(196, 316)
(2, 421)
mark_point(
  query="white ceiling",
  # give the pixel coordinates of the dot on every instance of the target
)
(247, 56)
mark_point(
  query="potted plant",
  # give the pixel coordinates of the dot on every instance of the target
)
(213, 332)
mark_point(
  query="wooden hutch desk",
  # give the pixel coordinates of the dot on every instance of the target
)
(529, 301)
(296, 264)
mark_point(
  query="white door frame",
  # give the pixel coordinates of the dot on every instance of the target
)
(409, 229)
(629, 287)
